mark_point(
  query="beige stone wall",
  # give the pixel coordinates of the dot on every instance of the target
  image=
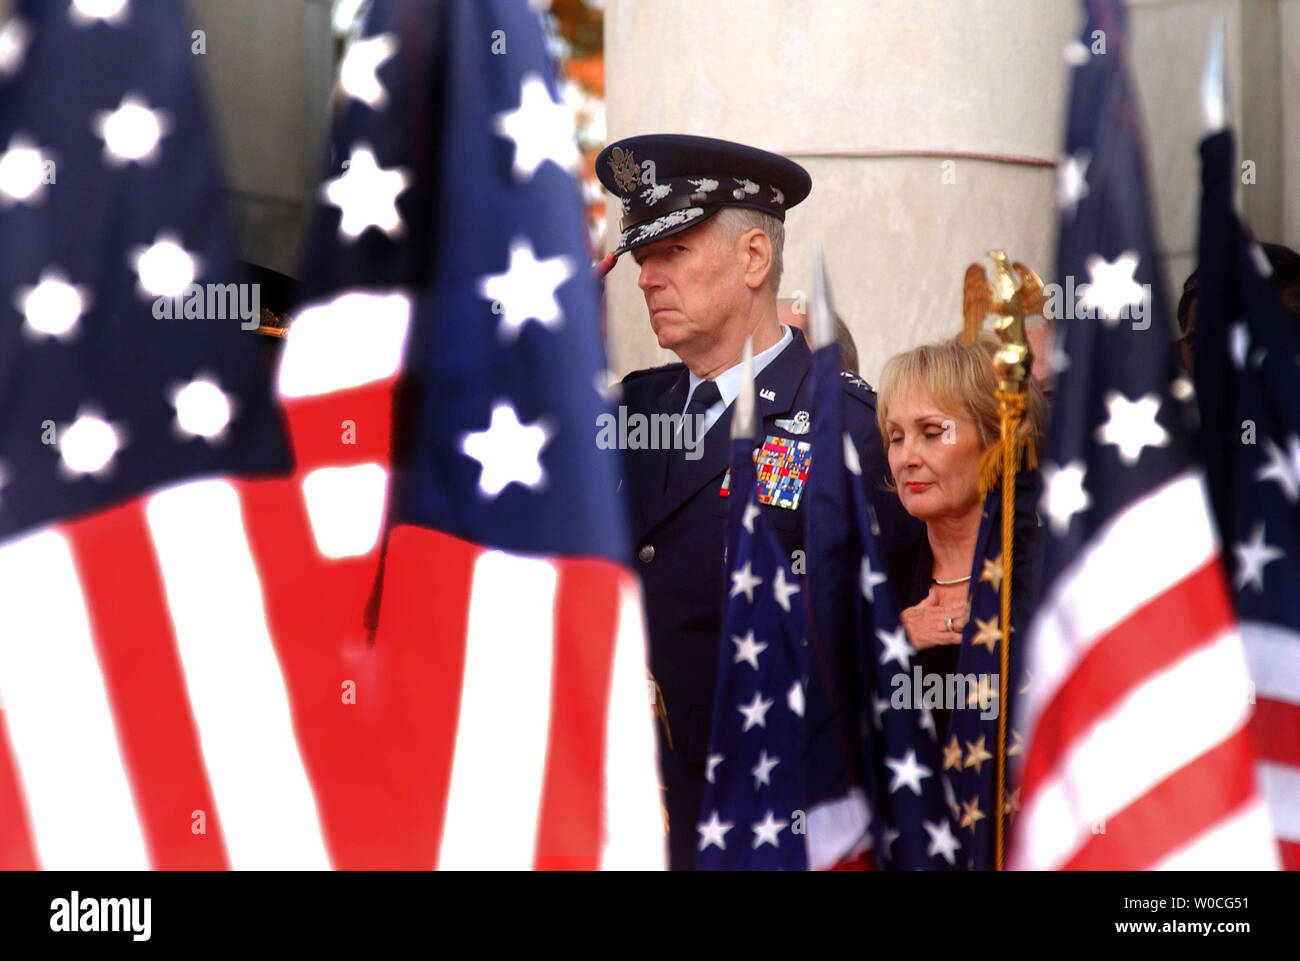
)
(1262, 60)
(268, 69)
(1289, 42)
(929, 127)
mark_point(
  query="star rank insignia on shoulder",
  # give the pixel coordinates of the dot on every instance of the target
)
(852, 378)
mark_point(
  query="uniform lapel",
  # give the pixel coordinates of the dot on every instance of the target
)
(648, 467)
(776, 385)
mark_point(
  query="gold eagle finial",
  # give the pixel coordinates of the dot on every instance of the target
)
(1010, 303)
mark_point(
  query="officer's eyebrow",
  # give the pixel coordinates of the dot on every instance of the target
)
(641, 253)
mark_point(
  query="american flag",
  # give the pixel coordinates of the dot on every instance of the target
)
(875, 790)
(756, 735)
(1138, 711)
(970, 744)
(446, 279)
(146, 722)
(495, 714)
(1247, 357)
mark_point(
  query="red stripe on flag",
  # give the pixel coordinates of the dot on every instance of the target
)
(423, 624)
(1289, 854)
(862, 861)
(1276, 728)
(1182, 806)
(17, 848)
(345, 427)
(571, 815)
(315, 610)
(1156, 635)
(145, 681)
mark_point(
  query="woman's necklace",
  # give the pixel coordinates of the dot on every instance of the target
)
(951, 580)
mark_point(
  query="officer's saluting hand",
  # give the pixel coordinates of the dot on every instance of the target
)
(603, 266)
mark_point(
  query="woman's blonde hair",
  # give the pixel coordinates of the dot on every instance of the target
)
(963, 380)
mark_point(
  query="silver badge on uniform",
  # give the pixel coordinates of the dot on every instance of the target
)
(798, 424)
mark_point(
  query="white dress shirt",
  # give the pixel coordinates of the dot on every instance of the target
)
(728, 382)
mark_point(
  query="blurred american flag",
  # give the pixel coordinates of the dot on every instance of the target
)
(1138, 743)
(441, 390)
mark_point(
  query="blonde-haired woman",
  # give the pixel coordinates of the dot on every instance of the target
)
(939, 422)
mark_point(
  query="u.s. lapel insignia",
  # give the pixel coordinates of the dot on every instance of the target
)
(767, 394)
(783, 471)
(798, 424)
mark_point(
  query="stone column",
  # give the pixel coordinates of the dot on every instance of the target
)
(931, 129)
(1289, 83)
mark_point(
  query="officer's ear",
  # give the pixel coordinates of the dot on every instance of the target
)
(756, 248)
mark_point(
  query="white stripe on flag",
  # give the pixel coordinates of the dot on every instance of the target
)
(348, 341)
(1154, 543)
(346, 508)
(1273, 654)
(1281, 788)
(1166, 722)
(634, 827)
(57, 711)
(505, 711)
(236, 690)
(1231, 845)
(837, 830)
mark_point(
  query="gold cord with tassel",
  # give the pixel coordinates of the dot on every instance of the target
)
(1012, 409)
(1009, 302)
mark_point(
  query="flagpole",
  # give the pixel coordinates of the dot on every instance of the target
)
(1010, 303)
(1011, 408)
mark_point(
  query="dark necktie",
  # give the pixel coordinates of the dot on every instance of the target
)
(704, 397)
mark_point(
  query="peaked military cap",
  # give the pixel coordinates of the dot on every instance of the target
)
(671, 182)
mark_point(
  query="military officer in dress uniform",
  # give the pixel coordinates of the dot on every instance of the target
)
(704, 220)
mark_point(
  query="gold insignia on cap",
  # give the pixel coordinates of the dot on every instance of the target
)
(626, 173)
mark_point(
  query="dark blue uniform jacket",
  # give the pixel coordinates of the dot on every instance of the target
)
(679, 545)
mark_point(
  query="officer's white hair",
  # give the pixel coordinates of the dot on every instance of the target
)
(736, 220)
